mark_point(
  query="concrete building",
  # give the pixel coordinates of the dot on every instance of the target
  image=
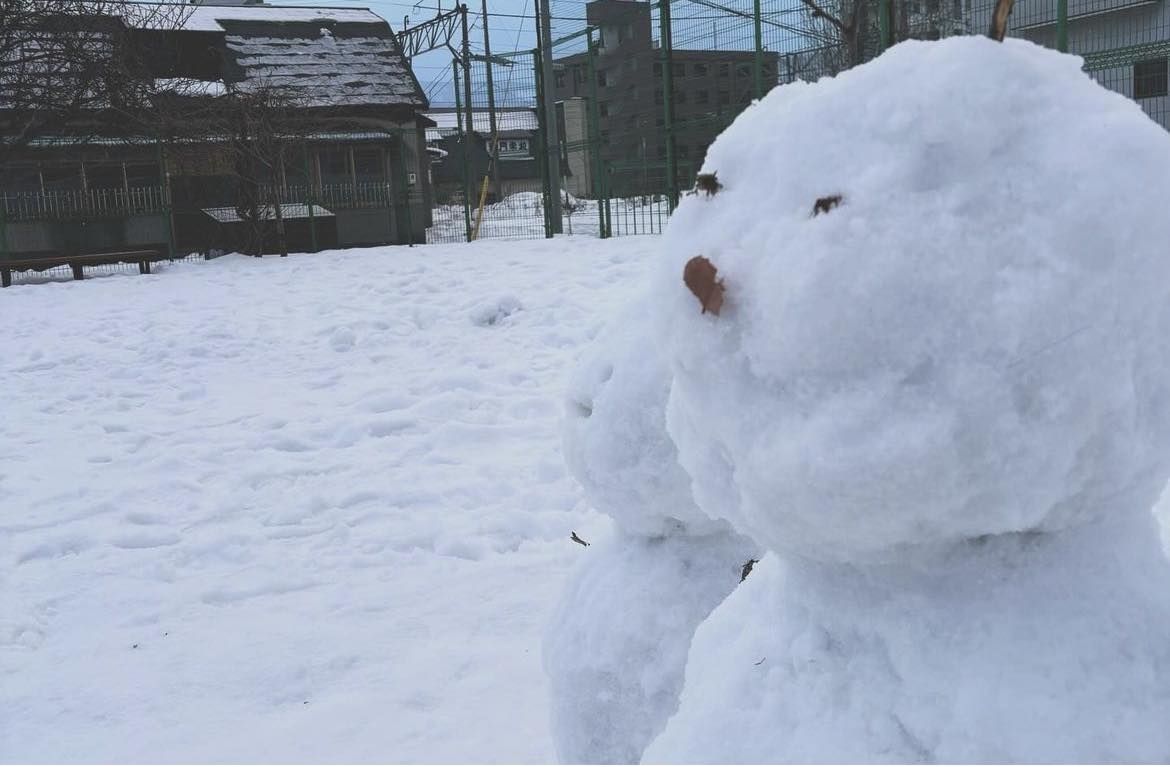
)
(710, 88)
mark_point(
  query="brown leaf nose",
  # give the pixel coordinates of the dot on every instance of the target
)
(701, 277)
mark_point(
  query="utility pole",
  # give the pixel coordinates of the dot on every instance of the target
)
(467, 77)
(491, 94)
(550, 112)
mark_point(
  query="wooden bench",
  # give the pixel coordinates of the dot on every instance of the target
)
(144, 258)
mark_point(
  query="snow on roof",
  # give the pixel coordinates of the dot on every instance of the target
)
(207, 18)
(328, 68)
(506, 120)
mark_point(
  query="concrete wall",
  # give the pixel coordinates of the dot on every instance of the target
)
(70, 236)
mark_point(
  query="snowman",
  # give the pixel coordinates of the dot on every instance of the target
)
(617, 644)
(936, 390)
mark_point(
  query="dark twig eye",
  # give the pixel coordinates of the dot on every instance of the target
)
(707, 183)
(825, 204)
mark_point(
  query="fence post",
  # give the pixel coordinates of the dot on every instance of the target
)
(758, 58)
(1062, 26)
(542, 141)
(885, 28)
(667, 46)
(595, 136)
(3, 226)
(552, 130)
(168, 209)
(310, 187)
(465, 147)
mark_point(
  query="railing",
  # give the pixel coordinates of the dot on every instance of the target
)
(365, 194)
(76, 203)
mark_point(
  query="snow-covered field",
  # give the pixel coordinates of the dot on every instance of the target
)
(304, 509)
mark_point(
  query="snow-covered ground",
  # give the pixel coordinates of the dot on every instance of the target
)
(304, 509)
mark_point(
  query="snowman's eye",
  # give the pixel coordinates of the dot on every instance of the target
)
(825, 204)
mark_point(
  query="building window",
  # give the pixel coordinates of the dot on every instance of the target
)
(367, 165)
(104, 177)
(1150, 78)
(658, 96)
(661, 152)
(603, 108)
(678, 70)
(334, 163)
(144, 174)
(578, 75)
(602, 78)
(632, 93)
(61, 178)
(702, 96)
(658, 69)
(724, 98)
(631, 65)
(724, 69)
(559, 78)
(684, 151)
(605, 137)
(680, 97)
(743, 70)
(699, 69)
(659, 122)
(632, 121)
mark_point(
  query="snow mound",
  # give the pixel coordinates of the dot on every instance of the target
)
(615, 439)
(617, 645)
(970, 341)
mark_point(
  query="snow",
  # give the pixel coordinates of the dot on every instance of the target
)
(617, 645)
(302, 509)
(207, 18)
(943, 406)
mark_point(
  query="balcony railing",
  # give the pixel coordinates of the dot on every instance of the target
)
(84, 203)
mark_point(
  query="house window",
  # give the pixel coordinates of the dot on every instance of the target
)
(22, 179)
(367, 165)
(724, 69)
(702, 96)
(61, 178)
(603, 108)
(658, 96)
(679, 70)
(699, 69)
(559, 78)
(104, 176)
(605, 137)
(680, 97)
(658, 69)
(602, 78)
(578, 75)
(1150, 78)
(724, 98)
(334, 165)
(142, 174)
(743, 70)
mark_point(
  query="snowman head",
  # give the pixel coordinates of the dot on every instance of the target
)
(944, 306)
